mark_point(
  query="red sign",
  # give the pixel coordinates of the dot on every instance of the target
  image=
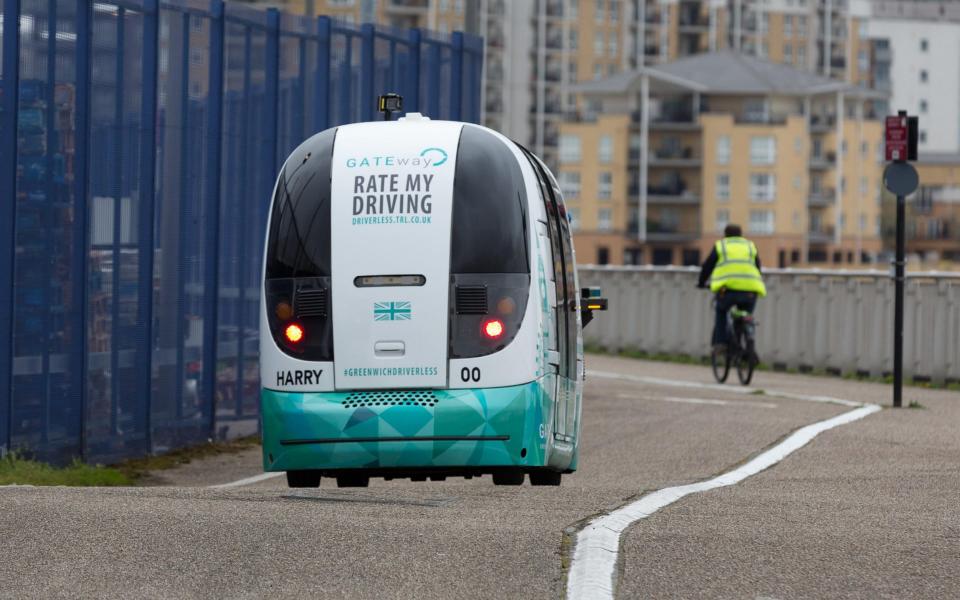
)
(897, 138)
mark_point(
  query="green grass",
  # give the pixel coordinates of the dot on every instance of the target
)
(17, 469)
(14, 469)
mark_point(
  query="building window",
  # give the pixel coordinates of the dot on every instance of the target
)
(801, 56)
(924, 45)
(573, 9)
(598, 12)
(801, 25)
(763, 150)
(864, 186)
(788, 25)
(723, 187)
(788, 53)
(604, 185)
(598, 43)
(605, 219)
(923, 137)
(797, 182)
(764, 23)
(569, 148)
(603, 255)
(763, 50)
(569, 184)
(761, 222)
(612, 46)
(196, 56)
(763, 187)
(574, 39)
(597, 71)
(924, 76)
(723, 149)
(605, 149)
(723, 219)
(923, 106)
(798, 146)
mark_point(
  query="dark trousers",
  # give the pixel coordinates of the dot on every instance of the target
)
(727, 299)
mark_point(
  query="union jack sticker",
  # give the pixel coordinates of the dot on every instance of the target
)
(392, 311)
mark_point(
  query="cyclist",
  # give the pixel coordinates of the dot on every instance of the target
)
(733, 268)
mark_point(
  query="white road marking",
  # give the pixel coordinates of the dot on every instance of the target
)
(597, 545)
(247, 481)
(685, 400)
(747, 391)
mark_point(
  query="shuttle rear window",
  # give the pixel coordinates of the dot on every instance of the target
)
(489, 207)
(299, 243)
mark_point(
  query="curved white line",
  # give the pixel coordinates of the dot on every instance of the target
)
(247, 481)
(597, 545)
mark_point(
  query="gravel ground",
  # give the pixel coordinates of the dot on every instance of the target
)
(788, 532)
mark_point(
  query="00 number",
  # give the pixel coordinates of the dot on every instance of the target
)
(468, 374)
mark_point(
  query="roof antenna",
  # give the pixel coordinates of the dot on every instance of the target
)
(390, 103)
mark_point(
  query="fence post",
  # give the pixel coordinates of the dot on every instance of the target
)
(322, 81)
(456, 76)
(273, 88)
(8, 206)
(412, 100)
(433, 80)
(148, 142)
(78, 262)
(366, 71)
(211, 251)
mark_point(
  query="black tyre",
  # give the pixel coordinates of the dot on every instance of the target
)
(352, 480)
(303, 479)
(746, 362)
(720, 362)
(545, 478)
(508, 478)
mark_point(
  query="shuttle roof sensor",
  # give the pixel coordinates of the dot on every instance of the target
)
(389, 103)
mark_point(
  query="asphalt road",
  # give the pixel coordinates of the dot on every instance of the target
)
(870, 509)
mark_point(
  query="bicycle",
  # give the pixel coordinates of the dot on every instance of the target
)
(740, 349)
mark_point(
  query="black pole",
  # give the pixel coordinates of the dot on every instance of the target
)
(898, 306)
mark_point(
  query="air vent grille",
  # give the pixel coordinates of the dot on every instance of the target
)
(471, 300)
(310, 303)
(424, 398)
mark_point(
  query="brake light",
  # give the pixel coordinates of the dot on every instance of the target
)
(493, 328)
(293, 333)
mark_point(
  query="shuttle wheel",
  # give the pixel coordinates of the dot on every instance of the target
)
(354, 480)
(508, 478)
(303, 479)
(545, 478)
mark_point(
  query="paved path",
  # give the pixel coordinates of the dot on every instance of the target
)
(866, 510)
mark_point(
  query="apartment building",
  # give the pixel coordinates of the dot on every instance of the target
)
(674, 152)
(933, 212)
(438, 15)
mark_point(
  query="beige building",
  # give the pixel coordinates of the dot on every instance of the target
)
(438, 15)
(674, 152)
(933, 212)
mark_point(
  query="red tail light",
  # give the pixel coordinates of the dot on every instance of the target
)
(493, 328)
(293, 333)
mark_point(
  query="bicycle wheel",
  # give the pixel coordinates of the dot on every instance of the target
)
(746, 362)
(720, 363)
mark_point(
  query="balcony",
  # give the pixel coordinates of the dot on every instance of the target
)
(821, 198)
(694, 21)
(664, 231)
(821, 235)
(674, 157)
(823, 161)
(672, 193)
(821, 123)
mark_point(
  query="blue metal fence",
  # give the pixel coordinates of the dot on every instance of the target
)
(139, 141)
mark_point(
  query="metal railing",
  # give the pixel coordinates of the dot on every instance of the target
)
(833, 320)
(139, 144)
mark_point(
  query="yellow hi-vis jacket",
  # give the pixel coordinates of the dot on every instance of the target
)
(736, 267)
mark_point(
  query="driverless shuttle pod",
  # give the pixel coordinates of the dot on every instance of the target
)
(420, 312)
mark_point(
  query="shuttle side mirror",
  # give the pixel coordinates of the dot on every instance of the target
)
(590, 301)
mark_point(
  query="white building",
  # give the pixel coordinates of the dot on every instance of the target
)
(924, 75)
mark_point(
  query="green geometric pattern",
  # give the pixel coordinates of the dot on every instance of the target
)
(522, 413)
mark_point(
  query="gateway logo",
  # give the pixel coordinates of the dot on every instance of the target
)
(428, 157)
